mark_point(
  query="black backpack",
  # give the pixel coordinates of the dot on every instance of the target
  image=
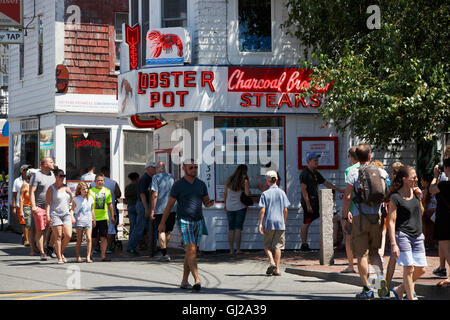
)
(373, 189)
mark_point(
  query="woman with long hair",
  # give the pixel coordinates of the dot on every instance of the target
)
(405, 229)
(59, 216)
(236, 210)
(83, 210)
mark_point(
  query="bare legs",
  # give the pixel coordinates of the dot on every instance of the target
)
(61, 243)
(234, 236)
(274, 260)
(190, 264)
(88, 244)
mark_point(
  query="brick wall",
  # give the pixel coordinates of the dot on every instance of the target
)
(89, 57)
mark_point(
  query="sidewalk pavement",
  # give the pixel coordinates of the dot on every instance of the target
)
(307, 264)
(293, 261)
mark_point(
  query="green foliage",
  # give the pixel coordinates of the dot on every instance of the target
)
(388, 83)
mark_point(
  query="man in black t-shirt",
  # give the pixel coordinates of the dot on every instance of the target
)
(142, 207)
(442, 222)
(310, 179)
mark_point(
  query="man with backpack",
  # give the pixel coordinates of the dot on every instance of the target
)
(367, 187)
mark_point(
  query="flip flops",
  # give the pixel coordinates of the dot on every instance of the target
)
(444, 283)
(186, 286)
(347, 270)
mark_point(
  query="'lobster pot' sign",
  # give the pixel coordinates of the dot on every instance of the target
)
(168, 46)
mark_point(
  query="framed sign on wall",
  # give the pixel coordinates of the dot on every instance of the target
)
(326, 147)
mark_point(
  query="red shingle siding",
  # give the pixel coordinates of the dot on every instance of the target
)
(89, 56)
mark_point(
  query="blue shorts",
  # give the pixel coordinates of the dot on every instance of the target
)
(191, 231)
(236, 219)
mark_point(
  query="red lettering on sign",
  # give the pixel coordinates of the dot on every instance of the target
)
(176, 75)
(245, 97)
(142, 82)
(189, 79)
(181, 94)
(208, 78)
(164, 79)
(168, 103)
(132, 39)
(154, 97)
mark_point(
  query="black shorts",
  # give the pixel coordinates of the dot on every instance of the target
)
(170, 222)
(101, 227)
(308, 218)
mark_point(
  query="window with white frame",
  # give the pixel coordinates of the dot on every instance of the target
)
(257, 142)
(138, 149)
(174, 13)
(255, 27)
(120, 18)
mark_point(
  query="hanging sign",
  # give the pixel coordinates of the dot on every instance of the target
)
(132, 39)
(167, 46)
(11, 13)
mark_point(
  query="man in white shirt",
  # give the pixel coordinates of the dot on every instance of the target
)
(16, 204)
(90, 175)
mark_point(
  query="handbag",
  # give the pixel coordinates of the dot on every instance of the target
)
(245, 199)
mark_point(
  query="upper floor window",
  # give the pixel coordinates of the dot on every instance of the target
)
(255, 32)
(174, 13)
(120, 18)
(41, 46)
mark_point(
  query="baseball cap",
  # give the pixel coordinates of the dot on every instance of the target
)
(150, 164)
(312, 156)
(24, 167)
(271, 174)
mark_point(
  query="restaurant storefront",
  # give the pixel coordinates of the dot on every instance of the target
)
(223, 116)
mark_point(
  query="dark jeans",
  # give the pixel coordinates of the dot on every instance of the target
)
(137, 231)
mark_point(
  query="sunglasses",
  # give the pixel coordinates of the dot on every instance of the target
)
(193, 167)
(61, 175)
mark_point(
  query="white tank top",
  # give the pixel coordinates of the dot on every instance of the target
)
(233, 200)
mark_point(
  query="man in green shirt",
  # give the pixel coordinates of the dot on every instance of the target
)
(102, 203)
(347, 227)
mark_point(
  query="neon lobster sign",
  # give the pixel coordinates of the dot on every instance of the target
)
(132, 39)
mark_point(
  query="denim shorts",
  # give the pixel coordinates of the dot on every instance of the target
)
(236, 219)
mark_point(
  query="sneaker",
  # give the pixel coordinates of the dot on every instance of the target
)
(43, 257)
(365, 295)
(133, 252)
(440, 272)
(383, 291)
(165, 258)
(51, 252)
(305, 247)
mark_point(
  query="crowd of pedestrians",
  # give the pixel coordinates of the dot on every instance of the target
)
(375, 208)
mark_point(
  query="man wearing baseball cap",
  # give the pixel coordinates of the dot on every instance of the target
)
(142, 207)
(273, 213)
(16, 204)
(310, 179)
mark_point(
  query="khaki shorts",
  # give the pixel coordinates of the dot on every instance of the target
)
(274, 239)
(366, 237)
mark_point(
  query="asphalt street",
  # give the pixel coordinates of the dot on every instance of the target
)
(25, 277)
